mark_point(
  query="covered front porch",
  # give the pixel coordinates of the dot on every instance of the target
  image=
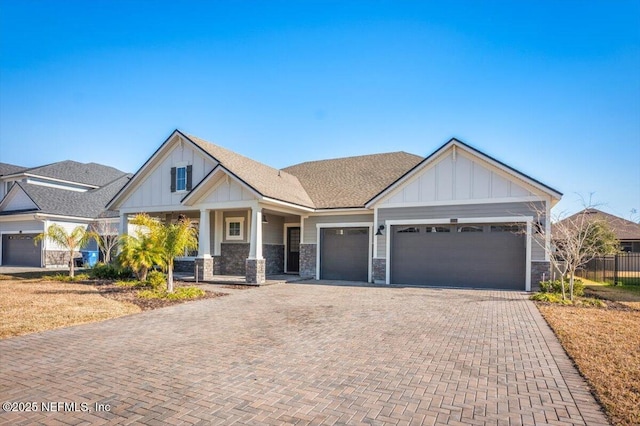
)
(247, 241)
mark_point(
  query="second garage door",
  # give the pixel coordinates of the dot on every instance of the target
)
(479, 256)
(19, 250)
(344, 254)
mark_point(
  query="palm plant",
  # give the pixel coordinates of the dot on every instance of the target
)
(140, 253)
(158, 243)
(71, 242)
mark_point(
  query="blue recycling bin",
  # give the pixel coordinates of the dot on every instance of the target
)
(89, 257)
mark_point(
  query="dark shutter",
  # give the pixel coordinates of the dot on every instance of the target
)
(173, 179)
(189, 181)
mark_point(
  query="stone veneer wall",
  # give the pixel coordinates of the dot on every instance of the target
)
(274, 256)
(539, 270)
(233, 258)
(379, 270)
(255, 271)
(58, 257)
(184, 266)
(308, 260)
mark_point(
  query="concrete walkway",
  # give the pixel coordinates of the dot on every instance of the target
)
(304, 354)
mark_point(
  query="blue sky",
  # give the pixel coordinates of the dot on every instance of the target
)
(550, 88)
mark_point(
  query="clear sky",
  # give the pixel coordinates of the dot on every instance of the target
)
(550, 88)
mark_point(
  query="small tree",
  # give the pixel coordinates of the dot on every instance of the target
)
(575, 240)
(70, 242)
(167, 240)
(106, 236)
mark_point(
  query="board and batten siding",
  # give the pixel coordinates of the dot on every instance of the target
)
(155, 189)
(227, 190)
(457, 177)
(456, 212)
(310, 231)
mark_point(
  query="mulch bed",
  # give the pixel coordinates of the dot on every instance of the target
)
(130, 294)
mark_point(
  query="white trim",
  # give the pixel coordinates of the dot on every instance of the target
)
(341, 212)
(28, 175)
(527, 199)
(287, 204)
(547, 231)
(227, 221)
(286, 241)
(161, 209)
(447, 221)
(320, 226)
(527, 273)
(56, 216)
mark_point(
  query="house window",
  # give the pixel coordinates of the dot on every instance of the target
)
(181, 178)
(234, 228)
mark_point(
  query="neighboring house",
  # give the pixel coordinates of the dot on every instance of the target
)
(66, 193)
(455, 218)
(626, 231)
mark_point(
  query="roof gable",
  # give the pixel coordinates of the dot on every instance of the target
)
(458, 172)
(17, 200)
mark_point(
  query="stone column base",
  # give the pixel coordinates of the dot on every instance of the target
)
(539, 270)
(255, 271)
(204, 268)
(379, 271)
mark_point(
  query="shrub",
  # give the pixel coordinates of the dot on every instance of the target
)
(67, 278)
(550, 298)
(110, 271)
(556, 287)
(157, 280)
(130, 283)
(181, 293)
(597, 303)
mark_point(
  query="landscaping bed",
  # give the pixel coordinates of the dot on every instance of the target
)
(125, 294)
(604, 343)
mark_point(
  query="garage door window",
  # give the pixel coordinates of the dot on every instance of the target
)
(438, 229)
(513, 228)
(411, 229)
(470, 228)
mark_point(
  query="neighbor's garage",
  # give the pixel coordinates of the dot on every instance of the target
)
(19, 250)
(344, 254)
(476, 256)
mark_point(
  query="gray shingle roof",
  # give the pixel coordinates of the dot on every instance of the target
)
(351, 181)
(72, 171)
(63, 202)
(266, 180)
(9, 169)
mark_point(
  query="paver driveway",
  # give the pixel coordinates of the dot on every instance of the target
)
(302, 353)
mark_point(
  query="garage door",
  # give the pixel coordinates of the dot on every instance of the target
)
(479, 256)
(344, 254)
(19, 250)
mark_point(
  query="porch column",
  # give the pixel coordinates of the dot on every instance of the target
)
(123, 227)
(255, 264)
(203, 264)
(218, 232)
(204, 248)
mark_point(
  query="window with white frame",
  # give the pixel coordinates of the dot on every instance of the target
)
(181, 178)
(234, 228)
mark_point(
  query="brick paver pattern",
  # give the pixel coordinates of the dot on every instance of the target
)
(307, 354)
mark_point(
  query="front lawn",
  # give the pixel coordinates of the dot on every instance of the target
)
(37, 302)
(605, 346)
(34, 305)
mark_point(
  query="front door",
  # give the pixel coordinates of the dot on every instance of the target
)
(293, 249)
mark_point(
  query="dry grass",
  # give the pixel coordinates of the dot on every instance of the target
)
(605, 345)
(29, 306)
